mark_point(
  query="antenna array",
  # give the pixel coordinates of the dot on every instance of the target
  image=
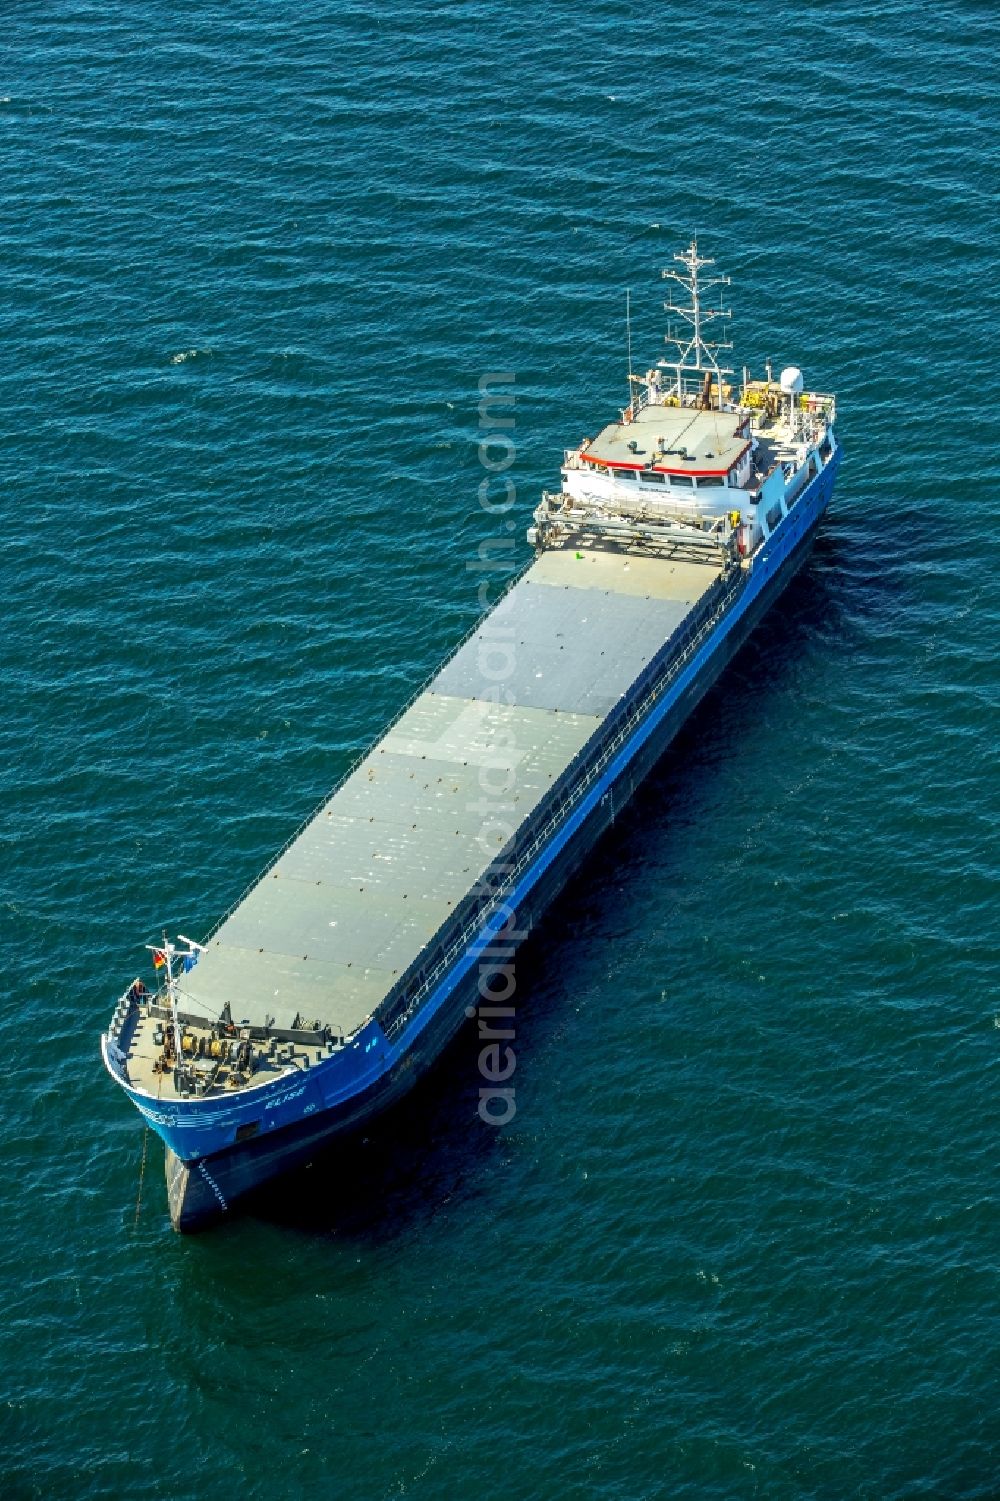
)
(693, 351)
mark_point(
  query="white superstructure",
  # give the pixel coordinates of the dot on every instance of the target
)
(693, 463)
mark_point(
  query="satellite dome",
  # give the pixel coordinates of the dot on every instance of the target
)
(791, 381)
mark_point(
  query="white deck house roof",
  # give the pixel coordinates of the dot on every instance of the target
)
(672, 440)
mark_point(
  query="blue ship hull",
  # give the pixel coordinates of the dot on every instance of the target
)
(209, 1163)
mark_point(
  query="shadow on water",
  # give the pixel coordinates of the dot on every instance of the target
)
(431, 1148)
(401, 1168)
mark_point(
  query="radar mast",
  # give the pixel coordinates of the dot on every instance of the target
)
(694, 354)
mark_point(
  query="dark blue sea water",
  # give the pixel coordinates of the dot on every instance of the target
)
(741, 1239)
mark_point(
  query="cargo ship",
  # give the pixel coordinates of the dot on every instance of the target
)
(395, 911)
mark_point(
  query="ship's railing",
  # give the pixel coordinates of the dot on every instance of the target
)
(122, 1012)
(128, 1002)
(399, 1008)
(362, 755)
(692, 392)
(640, 399)
(817, 403)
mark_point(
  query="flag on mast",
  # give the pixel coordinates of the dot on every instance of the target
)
(159, 958)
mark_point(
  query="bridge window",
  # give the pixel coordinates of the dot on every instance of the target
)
(682, 481)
